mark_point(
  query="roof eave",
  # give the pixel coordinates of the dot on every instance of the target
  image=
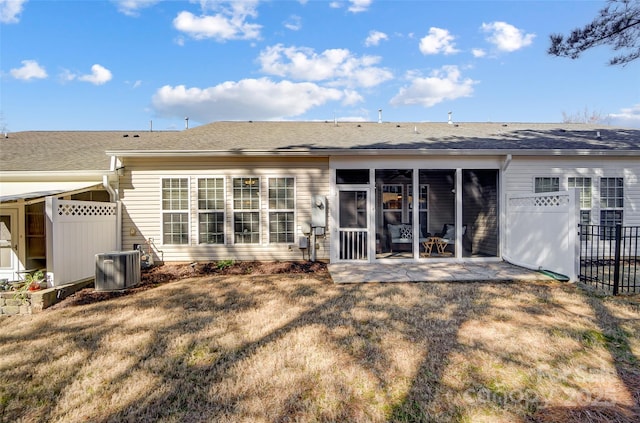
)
(369, 152)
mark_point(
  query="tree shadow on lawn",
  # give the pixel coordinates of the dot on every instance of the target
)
(261, 348)
(334, 354)
(353, 320)
(483, 375)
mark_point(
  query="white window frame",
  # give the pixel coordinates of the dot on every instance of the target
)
(545, 178)
(583, 195)
(420, 208)
(607, 198)
(243, 210)
(401, 211)
(205, 211)
(280, 210)
(164, 212)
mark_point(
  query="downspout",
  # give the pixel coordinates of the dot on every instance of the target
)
(113, 196)
(507, 162)
(503, 208)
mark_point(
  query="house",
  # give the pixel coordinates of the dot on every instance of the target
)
(349, 191)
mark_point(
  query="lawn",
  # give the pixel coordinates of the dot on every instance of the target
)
(298, 348)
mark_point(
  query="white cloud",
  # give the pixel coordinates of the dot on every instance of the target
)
(132, 7)
(10, 10)
(443, 84)
(438, 41)
(351, 97)
(99, 75)
(66, 76)
(335, 66)
(30, 70)
(628, 117)
(507, 37)
(230, 23)
(294, 23)
(374, 38)
(355, 6)
(248, 99)
(358, 6)
(478, 52)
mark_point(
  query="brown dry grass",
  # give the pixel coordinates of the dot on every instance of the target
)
(296, 347)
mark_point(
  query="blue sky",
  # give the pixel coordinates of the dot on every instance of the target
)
(129, 64)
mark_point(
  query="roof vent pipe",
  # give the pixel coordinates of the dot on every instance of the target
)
(450, 122)
(379, 115)
(186, 122)
(150, 126)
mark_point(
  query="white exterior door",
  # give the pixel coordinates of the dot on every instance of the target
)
(354, 205)
(8, 244)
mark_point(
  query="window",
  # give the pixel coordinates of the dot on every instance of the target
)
(352, 176)
(281, 210)
(211, 211)
(175, 211)
(246, 206)
(584, 187)
(611, 204)
(611, 193)
(546, 184)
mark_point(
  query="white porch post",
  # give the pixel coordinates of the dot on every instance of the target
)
(458, 243)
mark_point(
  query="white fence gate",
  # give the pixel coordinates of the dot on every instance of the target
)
(76, 232)
(542, 232)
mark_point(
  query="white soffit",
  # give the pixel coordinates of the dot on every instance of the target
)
(11, 191)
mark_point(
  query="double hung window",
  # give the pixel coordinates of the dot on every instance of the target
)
(211, 206)
(281, 210)
(246, 210)
(175, 211)
(611, 204)
(546, 184)
(584, 187)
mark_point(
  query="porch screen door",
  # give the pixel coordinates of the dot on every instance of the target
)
(353, 226)
(8, 244)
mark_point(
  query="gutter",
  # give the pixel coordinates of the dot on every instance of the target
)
(37, 176)
(366, 152)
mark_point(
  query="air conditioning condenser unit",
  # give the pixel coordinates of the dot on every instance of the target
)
(117, 270)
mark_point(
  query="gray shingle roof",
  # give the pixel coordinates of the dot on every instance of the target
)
(88, 150)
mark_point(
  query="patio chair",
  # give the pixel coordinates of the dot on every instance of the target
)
(448, 235)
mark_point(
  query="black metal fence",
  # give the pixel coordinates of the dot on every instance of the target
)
(609, 257)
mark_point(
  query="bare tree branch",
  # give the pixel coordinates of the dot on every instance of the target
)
(617, 25)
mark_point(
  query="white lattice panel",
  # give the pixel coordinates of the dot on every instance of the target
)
(560, 200)
(86, 209)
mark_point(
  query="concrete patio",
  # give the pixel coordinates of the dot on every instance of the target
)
(433, 272)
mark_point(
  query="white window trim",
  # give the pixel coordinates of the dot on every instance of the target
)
(202, 211)
(294, 210)
(601, 209)
(544, 177)
(187, 211)
(589, 209)
(258, 210)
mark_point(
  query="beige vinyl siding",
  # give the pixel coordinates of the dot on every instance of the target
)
(519, 178)
(141, 200)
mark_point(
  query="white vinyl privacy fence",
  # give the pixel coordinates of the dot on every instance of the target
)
(542, 232)
(76, 232)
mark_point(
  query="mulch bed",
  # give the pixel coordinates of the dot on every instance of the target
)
(157, 275)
